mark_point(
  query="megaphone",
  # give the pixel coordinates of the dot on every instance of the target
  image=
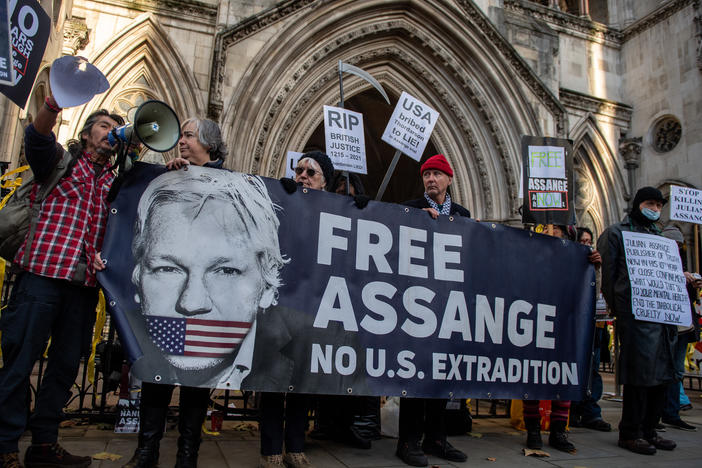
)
(74, 81)
(155, 125)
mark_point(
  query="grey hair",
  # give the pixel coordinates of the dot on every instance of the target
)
(248, 196)
(315, 165)
(210, 136)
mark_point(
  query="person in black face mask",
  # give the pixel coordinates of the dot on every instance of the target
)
(646, 361)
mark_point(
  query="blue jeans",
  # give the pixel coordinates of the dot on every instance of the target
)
(684, 399)
(671, 407)
(589, 408)
(41, 307)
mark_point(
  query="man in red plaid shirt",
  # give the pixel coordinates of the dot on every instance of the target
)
(55, 294)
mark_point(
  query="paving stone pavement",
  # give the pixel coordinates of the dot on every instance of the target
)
(492, 438)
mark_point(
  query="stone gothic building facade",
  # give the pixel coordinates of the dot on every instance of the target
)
(621, 78)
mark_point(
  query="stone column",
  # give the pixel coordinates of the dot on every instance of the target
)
(698, 32)
(626, 13)
(630, 149)
(76, 35)
(585, 9)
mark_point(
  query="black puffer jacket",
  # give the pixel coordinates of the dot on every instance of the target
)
(646, 357)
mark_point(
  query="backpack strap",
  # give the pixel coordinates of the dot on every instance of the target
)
(66, 162)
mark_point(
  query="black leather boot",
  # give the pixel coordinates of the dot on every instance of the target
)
(533, 427)
(558, 438)
(190, 426)
(151, 425)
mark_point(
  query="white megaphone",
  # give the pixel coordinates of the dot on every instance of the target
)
(74, 81)
(155, 125)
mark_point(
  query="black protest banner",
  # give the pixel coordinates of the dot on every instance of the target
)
(547, 168)
(5, 50)
(223, 279)
(29, 31)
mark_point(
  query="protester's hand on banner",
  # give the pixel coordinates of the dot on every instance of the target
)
(134, 150)
(288, 184)
(595, 258)
(361, 201)
(98, 263)
(432, 212)
(177, 163)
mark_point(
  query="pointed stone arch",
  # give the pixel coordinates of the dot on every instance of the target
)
(141, 58)
(479, 87)
(599, 173)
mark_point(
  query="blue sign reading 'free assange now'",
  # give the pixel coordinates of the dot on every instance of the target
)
(221, 279)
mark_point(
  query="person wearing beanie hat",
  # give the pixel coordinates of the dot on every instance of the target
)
(314, 170)
(283, 416)
(647, 205)
(437, 176)
(427, 416)
(646, 364)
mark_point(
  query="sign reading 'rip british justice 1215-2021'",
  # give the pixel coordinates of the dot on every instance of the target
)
(345, 144)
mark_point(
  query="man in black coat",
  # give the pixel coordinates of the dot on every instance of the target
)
(646, 361)
(426, 416)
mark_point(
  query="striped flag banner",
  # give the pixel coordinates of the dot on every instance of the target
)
(196, 337)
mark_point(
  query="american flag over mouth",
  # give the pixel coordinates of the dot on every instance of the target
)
(196, 337)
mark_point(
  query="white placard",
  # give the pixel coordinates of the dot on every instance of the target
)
(410, 126)
(128, 418)
(547, 162)
(686, 204)
(291, 160)
(658, 291)
(343, 132)
(697, 359)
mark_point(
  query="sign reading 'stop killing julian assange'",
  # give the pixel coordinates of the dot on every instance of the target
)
(222, 279)
(686, 204)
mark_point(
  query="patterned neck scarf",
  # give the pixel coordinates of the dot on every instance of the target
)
(444, 209)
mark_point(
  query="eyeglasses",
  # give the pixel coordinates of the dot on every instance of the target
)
(310, 172)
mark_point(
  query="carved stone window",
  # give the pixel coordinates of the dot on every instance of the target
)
(666, 133)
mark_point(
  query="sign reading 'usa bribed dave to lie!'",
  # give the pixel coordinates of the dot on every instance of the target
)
(410, 126)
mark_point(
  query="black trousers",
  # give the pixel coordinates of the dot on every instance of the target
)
(422, 416)
(41, 307)
(642, 407)
(159, 396)
(283, 417)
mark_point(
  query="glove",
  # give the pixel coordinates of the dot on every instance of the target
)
(360, 201)
(288, 184)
